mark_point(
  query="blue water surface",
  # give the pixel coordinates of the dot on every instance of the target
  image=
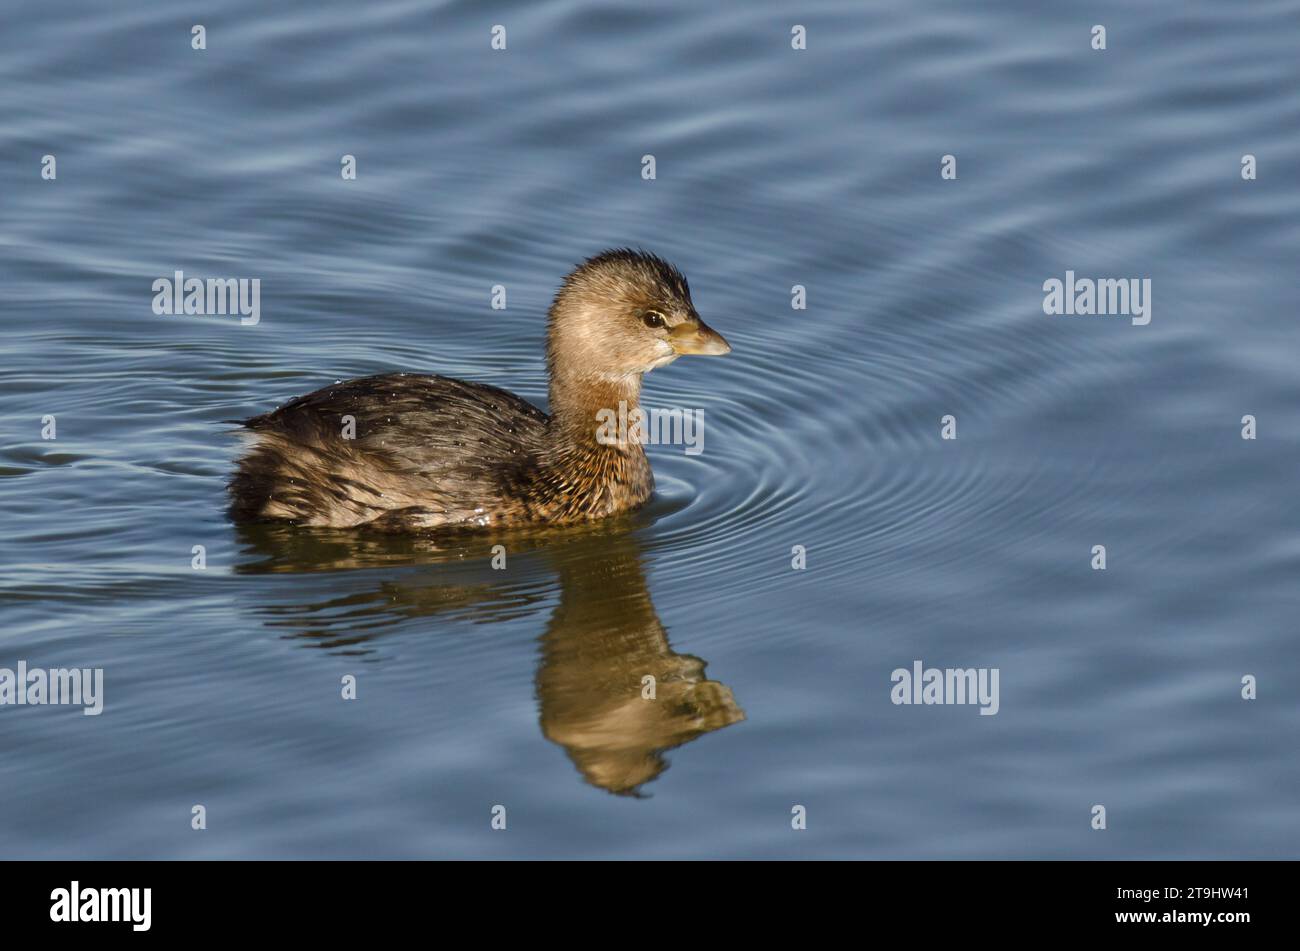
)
(774, 167)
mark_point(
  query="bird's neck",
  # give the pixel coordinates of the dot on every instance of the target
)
(582, 406)
(592, 454)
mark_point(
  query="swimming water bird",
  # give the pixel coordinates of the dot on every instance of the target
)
(428, 452)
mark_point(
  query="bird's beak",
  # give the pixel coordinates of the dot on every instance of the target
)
(698, 338)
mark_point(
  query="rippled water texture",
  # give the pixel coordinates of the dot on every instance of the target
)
(480, 687)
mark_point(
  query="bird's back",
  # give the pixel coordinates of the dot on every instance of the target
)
(397, 450)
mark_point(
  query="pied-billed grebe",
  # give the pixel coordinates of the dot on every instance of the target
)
(426, 452)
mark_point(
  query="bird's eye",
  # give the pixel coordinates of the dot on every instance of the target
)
(653, 318)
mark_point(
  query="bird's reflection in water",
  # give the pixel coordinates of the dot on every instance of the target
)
(600, 645)
(603, 640)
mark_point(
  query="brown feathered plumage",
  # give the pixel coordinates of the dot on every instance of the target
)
(430, 452)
